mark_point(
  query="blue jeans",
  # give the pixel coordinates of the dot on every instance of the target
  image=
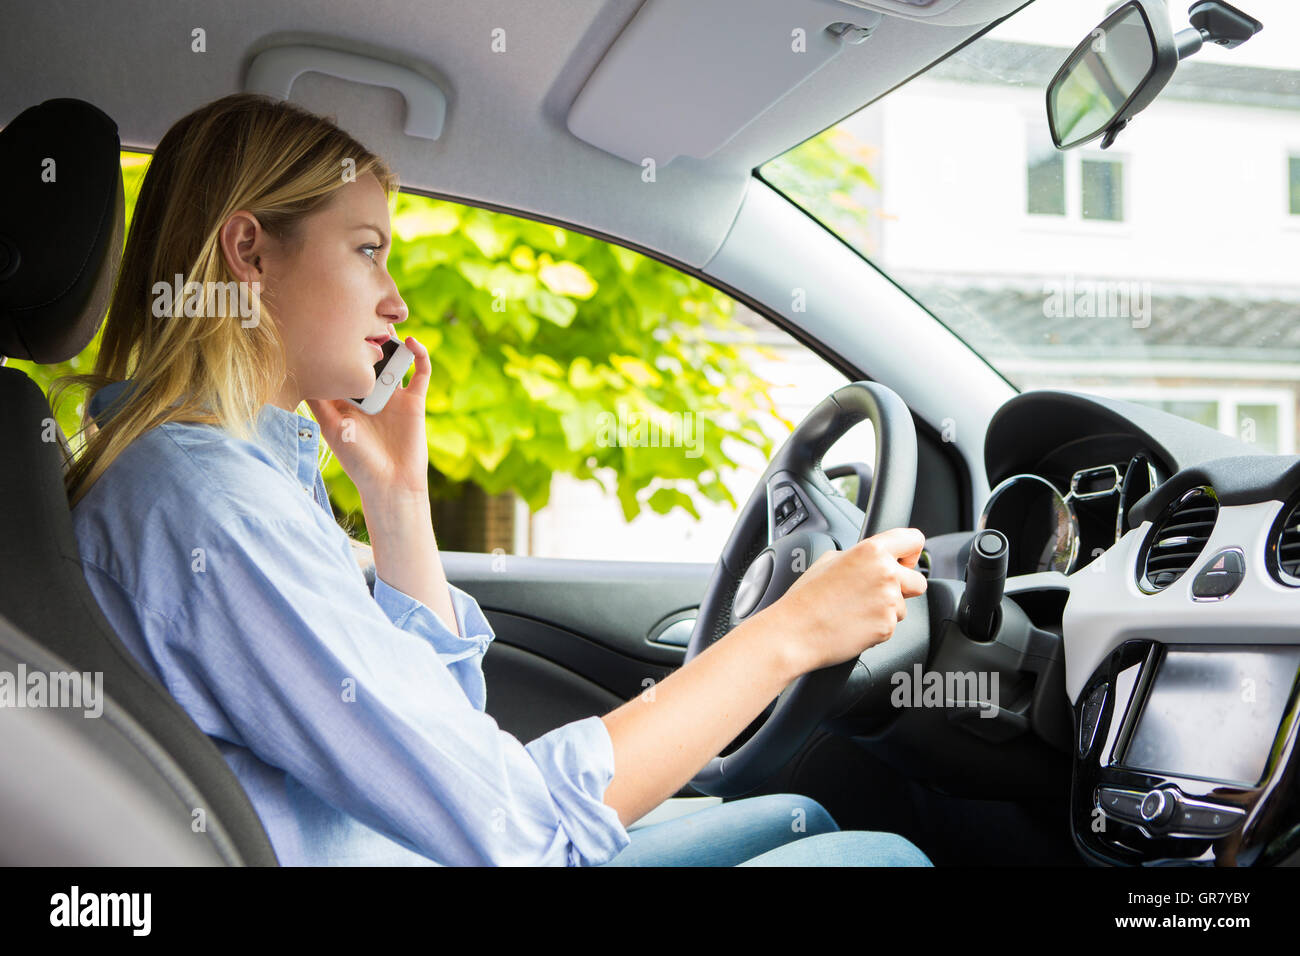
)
(781, 829)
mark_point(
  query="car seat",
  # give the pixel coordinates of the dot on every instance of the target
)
(143, 766)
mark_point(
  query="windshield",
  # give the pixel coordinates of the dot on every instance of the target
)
(1163, 270)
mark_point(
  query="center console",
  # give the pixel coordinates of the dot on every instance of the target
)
(1187, 754)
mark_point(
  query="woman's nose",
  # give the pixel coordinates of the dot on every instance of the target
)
(394, 308)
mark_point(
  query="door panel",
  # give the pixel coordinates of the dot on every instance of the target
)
(573, 637)
(594, 617)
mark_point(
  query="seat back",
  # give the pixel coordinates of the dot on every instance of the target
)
(60, 245)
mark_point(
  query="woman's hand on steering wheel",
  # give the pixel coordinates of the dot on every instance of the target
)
(848, 601)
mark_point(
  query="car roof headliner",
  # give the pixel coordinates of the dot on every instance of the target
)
(505, 142)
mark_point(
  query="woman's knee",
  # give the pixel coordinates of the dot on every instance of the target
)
(804, 815)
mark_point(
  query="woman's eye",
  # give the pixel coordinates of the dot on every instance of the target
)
(370, 252)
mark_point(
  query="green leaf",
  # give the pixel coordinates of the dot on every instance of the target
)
(627, 498)
(553, 308)
(636, 370)
(484, 234)
(567, 278)
(665, 499)
(444, 437)
(581, 376)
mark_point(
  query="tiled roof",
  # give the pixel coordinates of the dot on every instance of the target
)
(1033, 318)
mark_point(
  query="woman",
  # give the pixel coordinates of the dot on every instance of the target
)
(354, 719)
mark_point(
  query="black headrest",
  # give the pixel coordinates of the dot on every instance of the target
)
(61, 219)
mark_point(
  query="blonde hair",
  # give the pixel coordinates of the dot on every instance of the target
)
(276, 160)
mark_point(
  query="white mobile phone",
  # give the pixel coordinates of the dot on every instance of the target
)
(388, 375)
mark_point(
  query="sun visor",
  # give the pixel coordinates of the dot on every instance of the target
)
(684, 77)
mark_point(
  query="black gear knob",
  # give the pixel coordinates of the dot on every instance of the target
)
(980, 612)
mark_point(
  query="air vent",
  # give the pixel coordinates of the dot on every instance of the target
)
(1178, 538)
(1284, 546)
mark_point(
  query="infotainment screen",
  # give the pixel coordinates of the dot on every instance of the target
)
(1213, 713)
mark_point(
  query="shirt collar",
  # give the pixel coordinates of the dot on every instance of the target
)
(293, 439)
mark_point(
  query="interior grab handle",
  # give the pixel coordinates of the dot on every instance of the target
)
(273, 72)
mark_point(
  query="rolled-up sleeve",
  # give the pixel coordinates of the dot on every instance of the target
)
(462, 651)
(285, 651)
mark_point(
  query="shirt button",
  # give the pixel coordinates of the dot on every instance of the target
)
(304, 434)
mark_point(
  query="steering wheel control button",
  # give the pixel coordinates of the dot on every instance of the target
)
(787, 511)
(1157, 807)
(1123, 805)
(1090, 716)
(753, 585)
(791, 523)
(1220, 576)
(785, 504)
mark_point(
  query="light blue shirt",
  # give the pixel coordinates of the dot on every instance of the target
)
(353, 720)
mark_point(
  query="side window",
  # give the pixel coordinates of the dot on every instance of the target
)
(588, 401)
(583, 521)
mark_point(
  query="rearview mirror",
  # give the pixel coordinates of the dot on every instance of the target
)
(1122, 65)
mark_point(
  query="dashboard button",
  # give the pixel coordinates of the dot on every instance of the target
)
(1221, 575)
(1206, 819)
(1121, 804)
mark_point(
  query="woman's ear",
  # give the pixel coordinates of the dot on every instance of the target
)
(243, 242)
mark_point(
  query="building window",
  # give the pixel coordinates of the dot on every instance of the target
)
(1045, 180)
(1102, 189)
(1258, 418)
(1259, 425)
(1045, 174)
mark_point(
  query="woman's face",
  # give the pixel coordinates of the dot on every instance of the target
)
(330, 291)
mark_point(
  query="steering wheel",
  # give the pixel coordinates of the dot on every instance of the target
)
(794, 516)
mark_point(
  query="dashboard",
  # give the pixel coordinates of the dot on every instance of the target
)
(1177, 550)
